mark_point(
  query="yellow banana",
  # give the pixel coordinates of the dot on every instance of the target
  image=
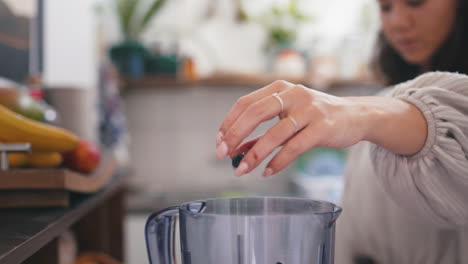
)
(16, 128)
(35, 160)
(16, 160)
(44, 159)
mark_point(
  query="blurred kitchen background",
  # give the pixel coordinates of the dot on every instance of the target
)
(153, 79)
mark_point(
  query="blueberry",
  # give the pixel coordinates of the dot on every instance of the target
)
(237, 159)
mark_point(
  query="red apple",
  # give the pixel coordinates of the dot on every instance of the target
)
(84, 158)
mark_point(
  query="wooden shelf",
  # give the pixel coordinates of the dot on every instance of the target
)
(60, 178)
(215, 80)
(51, 187)
(227, 79)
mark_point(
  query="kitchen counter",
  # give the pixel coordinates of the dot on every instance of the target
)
(30, 235)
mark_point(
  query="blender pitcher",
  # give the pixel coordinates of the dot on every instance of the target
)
(246, 230)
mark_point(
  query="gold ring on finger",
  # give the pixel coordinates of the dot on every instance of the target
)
(294, 122)
(276, 95)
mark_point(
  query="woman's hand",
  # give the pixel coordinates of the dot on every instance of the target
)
(308, 119)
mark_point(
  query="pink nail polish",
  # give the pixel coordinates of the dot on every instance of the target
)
(242, 169)
(222, 150)
(268, 172)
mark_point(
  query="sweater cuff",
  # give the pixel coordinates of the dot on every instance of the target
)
(431, 125)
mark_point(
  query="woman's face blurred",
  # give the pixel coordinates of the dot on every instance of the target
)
(417, 28)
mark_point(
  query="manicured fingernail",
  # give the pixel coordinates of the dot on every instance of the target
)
(242, 169)
(222, 150)
(219, 138)
(268, 172)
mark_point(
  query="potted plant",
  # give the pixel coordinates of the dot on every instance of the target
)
(281, 23)
(129, 55)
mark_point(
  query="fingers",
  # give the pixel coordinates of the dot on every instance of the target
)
(253, 116)
(272, 139)
(303, 141)
(291, 103)
(244, 102)
(245, 147)
(258, 112)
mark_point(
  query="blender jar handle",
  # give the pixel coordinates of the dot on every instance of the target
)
(159, 232)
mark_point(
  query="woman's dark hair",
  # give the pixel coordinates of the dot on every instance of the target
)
(452, 56)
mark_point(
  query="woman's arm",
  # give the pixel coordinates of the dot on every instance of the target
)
(420, 133)
(433, 183)
(394, 124)
(311, 119)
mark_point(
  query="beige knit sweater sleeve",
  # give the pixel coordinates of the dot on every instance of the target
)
(434, 182)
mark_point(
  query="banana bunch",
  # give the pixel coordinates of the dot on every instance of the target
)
(15, 128)
(35, 159)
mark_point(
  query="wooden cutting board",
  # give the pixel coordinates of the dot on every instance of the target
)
(51, 187)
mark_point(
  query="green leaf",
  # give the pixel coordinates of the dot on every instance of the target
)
(126, 11)
(294, 11)
(149, 15)
(302, 18)
(280, 35)
(241, 15)
(293, 7)
(276, 11)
